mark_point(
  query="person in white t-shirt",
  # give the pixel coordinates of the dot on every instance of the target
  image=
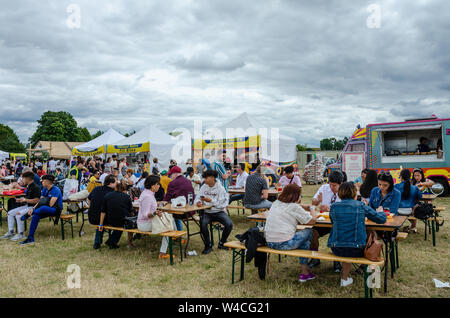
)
(106, 172)
(195, 179)
(323, 199)
(241, 179)
(130, 178)
(52, 166)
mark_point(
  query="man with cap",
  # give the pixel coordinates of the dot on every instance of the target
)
(179, 186)
(164, 180)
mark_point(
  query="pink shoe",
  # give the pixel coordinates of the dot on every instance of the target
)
(304, 278)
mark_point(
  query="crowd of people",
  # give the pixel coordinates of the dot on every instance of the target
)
(373, 195)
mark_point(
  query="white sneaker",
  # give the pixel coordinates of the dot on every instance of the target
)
(345, 283)
(17, 237)
(7, 236)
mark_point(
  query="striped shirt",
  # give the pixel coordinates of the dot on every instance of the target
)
(220, 168)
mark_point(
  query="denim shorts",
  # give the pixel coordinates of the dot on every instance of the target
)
(348, 251)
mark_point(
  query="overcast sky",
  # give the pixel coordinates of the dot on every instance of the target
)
(312, 68)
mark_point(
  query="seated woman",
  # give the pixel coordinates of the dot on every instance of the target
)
(116, 206)
(385, 195)
(370, 182)
(148, 209)
(281, 226)
(289, 178)
(348, 234)
(130, 178)
(420, 181)
(410, 196)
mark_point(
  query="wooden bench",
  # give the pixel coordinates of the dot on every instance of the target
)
(64, 219)
(171, 235)
(239, 255)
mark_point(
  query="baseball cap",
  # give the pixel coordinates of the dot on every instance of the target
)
(175, 169)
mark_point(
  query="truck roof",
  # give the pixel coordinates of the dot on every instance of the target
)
(412, 121)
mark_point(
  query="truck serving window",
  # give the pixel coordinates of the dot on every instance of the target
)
(401, 144)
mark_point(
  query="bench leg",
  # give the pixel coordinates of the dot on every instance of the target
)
(232, 265)
(181, 249)
(171, 250)
(62, 229)
(71, 227)
(242, 264)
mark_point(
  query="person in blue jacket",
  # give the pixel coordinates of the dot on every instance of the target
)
(348, 234)
(410, 196)
(385, 195)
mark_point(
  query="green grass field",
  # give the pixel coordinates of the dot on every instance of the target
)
(41, 270)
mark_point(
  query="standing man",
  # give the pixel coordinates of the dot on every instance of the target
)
(222, 173)
(52, 166)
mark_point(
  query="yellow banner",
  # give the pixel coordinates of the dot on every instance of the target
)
(145, 147)
(96, 151)
(233, 143)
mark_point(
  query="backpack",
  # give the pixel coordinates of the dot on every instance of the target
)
(423, 211)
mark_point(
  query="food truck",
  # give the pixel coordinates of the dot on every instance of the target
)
(391, 146)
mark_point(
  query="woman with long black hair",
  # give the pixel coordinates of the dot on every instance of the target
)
(385, 196)
(420, 181)
(370, 182)
(410, 196)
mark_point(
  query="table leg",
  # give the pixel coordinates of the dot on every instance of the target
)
(386, 263)
(433, 232)
(233, 265)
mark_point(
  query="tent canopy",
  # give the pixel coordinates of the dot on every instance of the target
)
(273, 148)
(3, 155)
(149, 139)
(97, 145)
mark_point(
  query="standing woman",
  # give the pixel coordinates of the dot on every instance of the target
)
(148, 210)
(420, 181)
(116, 206)
(410, 196)
(385, 195)
(108, 164)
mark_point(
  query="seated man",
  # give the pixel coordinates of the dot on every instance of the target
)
(212, 193)
(179, 186)
(257, 191)
(240, 182)
(324, 198)
(95, 200)
(32, 195)
(53, 208)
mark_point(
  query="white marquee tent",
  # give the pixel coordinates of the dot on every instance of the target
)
(97, 145)
(150, 138)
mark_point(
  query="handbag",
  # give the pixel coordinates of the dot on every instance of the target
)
(44, 201)
(163, 223)
(373, 248)
(130, 222)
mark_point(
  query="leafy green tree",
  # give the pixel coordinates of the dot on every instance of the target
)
(58, 126)
(97, 134)
(83, 134)
(304, 147)
(9, 141)
(333, 143)
(130, 134)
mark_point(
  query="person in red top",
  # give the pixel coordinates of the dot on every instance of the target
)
(41, 172)
(179, 186)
